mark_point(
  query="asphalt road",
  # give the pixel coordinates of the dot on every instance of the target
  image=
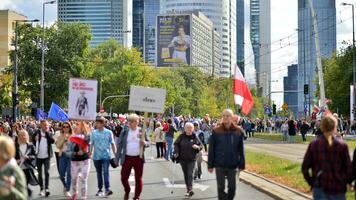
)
(157, 183)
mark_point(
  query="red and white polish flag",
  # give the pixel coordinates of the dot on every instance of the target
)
(242, 94)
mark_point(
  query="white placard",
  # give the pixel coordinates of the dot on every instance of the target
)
(145, 99)
(82, 99)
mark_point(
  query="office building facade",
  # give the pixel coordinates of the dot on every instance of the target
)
(290, 88)
(138, 24)
(223, 15)
(151, 10)
(240, 36)
(107, 18)
(260, 36)
(307, 67)
(7, 31)
(187, 38)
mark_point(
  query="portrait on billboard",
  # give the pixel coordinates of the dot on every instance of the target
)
(173, 40)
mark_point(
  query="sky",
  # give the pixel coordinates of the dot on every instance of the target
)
(284, 22)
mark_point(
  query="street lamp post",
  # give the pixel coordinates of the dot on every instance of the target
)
(43, 51)
(15, 96)
(123, 46)
(353, 48)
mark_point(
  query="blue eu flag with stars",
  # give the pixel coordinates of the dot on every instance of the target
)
(41, 114)
(57, 113)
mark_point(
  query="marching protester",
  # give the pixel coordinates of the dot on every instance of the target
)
(329, 160)
(159, 139)
(12, 178)
(284, 129)
(304, 128)
(78, 151)
(129, 155)
(169, 138)
(44, 152)
(186, 148)
(292, 131)
(64, 160)
(226, 154)
(25, 155)
(101, 143)
(200, 135)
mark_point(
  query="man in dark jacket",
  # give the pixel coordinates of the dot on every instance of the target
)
(226, 154)
(44, 152)
(304, 128)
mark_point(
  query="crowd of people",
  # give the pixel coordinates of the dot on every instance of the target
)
(28, 146)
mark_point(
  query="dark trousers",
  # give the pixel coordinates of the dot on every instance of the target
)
(304, 136)
(230, 175)
(136, 163)
(188, 168)
(57, 161)
(159, 146)
(46, 164)
(102, 169)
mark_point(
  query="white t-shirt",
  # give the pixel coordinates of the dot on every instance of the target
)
(42, 147)
(23, 148)
(133, 143)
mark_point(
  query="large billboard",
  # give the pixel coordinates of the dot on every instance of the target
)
(173, 40)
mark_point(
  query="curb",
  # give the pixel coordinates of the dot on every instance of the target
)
(269, 187)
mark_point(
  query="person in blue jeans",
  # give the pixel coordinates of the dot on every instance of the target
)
(101, 144)
(169, 138)
(64, 161)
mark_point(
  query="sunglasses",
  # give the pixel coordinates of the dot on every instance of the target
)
(65, 126)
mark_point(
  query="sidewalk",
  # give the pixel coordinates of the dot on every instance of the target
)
(275, 190)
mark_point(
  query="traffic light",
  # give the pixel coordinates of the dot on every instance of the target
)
(274, 109)
(306, 89)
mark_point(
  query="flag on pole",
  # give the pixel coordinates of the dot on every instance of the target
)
(41, 114)
(57, 113)
(242, 94)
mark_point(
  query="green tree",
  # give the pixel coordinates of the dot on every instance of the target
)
(67, 47)
(337, 78)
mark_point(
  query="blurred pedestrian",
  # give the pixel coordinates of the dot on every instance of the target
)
(101, 143)
(226, 154)
(12, 178)
(129, 155)
(199, 157)
(329, 160)
(64, 160)
(292, 130)
(44, 152)
(304, 128)
(186, 148)
(169, 138)
(25, 155)
(284, 129)
(159, 139)
(78, 151)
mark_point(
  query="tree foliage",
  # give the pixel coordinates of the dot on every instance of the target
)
(337, 78)
(68, 54)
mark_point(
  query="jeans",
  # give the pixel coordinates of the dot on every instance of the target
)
(188, 167)
(318, 194)
(64, 169)
(102, 168)
(170, 148)
(292, 139)
(230, 174)
(285, 135)
(46, 164)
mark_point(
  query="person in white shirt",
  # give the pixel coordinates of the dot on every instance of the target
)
(131, 144)
(44, 152)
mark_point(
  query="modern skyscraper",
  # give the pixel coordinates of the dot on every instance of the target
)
(240, 37)
(151, 10)
(290, 88)
(307, 69)
(138, 24)
(7, 31)
(107, 18)
(223, 15)
(260, 35)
